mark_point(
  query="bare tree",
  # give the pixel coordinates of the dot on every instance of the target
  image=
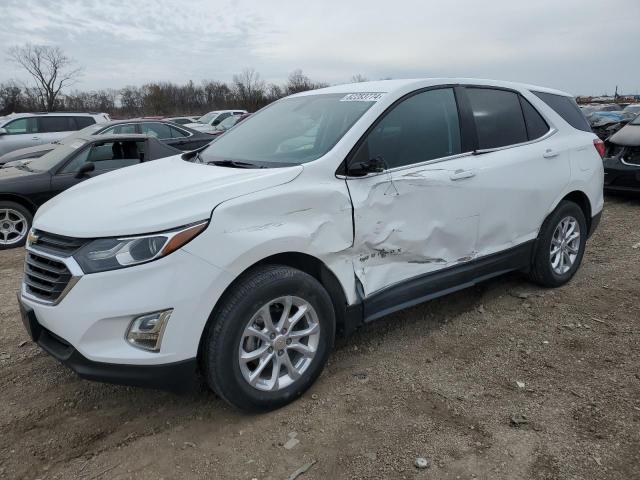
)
(50, 68)
(359, 78)
(249, 88)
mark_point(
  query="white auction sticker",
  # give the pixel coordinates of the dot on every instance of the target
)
(362, 97)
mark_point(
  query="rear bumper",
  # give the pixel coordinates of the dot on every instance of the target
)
(178, 377)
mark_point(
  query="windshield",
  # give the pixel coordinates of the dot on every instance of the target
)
(207, 117)
(55, 156)
(290, 131)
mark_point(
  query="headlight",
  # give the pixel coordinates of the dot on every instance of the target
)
(113, 253)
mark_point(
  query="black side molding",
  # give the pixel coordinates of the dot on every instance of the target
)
(432, 285)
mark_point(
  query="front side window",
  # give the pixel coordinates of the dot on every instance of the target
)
(423, 127)
(108, 155)
(498, 117)
(290, 131)
(56, 124)
(156, 129)
(21, 126)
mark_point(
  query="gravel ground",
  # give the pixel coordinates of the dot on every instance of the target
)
(438, 381)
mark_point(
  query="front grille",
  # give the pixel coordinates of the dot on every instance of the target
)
(45, 278)
(56, 244)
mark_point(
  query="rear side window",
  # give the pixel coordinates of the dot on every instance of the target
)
(126, 128)
(498, 117)
(56, 124)
(536, 125)
(423, 127)
(157, 129)
(178, 132)
(567, 108)
(83, 122)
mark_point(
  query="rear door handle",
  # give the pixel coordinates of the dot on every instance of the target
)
(461, 174)
(548, 153)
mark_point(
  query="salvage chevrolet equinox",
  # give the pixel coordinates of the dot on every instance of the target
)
(239, 263)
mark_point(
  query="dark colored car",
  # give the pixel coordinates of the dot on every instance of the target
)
(178, 136)
(23, 189)
(622, 160)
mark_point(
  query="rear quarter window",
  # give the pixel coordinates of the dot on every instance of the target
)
(56, 124)
(83, 122)
(567, 108)
(536, 125)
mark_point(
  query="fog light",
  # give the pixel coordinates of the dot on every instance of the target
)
(146, 331)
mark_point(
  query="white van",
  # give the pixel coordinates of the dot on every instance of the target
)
(324, 211)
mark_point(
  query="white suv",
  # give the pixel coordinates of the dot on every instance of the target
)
(24, 130)
(322, 212)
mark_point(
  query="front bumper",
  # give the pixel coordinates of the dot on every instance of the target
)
(86, 329)
(176, 377)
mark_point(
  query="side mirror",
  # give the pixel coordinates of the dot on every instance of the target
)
(373, 165)
(85, 169)
(3, 131)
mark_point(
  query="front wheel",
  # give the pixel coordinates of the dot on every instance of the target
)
(560, 246)
(269, 339)
(15, 222)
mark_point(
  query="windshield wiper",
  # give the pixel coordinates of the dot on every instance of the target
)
(234, 164)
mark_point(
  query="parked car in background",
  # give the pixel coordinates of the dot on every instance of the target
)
(632, 109)
(606, 123)
(30, 129)
(208, 121)
(228, 122)
(180, 137)
(23, 189)
(244, 259)
(622, 160)
(181, 120)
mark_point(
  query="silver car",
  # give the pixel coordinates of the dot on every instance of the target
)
(30, 129)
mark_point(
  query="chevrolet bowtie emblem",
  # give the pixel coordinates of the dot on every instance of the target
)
(32, 238)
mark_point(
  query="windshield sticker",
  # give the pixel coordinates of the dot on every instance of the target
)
(75, 145)
(362, 97)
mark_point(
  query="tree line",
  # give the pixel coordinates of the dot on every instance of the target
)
(246, 91)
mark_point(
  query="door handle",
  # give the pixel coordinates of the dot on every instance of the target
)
(461, 174)
(549, 153)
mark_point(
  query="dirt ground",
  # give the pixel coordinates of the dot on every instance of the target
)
(435, 381)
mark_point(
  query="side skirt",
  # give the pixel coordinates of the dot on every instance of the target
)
(432, 285)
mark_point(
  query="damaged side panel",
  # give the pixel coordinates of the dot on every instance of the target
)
(411, 222)
(295, 217)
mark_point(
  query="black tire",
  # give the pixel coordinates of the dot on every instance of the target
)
(220, 349)
(542, 272)
(16, 207)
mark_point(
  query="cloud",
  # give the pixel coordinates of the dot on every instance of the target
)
(575, 45)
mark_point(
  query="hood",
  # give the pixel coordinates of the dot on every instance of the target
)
(151, 197)
(11, 174)
(628, 136)
(29, 152)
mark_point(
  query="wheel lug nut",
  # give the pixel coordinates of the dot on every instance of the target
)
(288, 341)
(280, 352)
(272, 336)
(284, 331)
(270, 350)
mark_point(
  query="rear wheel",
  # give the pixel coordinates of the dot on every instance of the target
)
(560, 246)
(270, 339)
(15, 222)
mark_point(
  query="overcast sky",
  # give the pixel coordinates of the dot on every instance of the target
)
(581, 46)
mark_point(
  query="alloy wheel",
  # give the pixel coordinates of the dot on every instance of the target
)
(13, 226)
(279, 343)
(565, 245)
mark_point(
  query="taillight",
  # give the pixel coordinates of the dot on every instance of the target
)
(599, 144)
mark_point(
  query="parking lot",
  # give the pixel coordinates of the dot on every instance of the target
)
(504, 380)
